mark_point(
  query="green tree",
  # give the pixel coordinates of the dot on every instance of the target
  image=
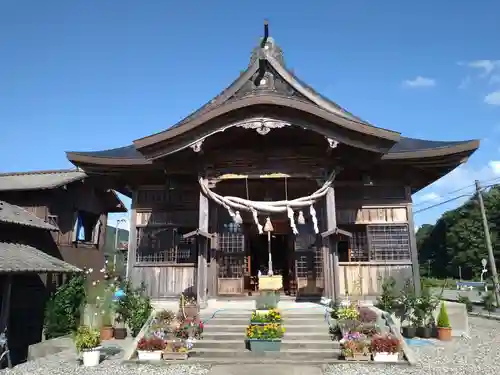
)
(457, 239)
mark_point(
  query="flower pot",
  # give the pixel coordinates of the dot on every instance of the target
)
(172, 356)
(409, 332)
(91, 357)
(358, 357)
(385, 357)
(120, 333)
(424, 332)
(265, 345)
(144, 355)
(444, 334)
(106, 333)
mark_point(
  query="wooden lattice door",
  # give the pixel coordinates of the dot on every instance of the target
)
(308, 264)
(231, 260)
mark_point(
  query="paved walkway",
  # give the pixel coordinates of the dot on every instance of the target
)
(265, 370)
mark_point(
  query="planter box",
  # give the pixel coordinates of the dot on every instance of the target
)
(149, 356)
(264, 323)
(385, 357)
(172, 356)
(265, 345)
(359, 357)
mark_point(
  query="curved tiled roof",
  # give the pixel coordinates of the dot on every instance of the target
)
(405, 145)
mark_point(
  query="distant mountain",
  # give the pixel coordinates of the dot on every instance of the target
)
(109, 247)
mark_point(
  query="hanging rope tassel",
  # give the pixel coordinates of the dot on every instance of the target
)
(314, 219)
(256, 220)
(292, 220)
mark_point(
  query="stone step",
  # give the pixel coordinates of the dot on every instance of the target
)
(290, 336)
(227, 321)
(301, 321)
(296, 360)
(316, 328)
(296, 354)
(285, 344)
(208, 328)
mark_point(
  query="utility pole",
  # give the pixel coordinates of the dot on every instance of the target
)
(487, 237)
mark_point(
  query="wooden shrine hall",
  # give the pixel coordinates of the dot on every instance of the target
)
(270, 168)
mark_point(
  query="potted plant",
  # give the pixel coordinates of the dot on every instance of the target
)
(385, 348)
(424, 310)
(266, 338)
(407, 302)
(87, 342)
(150, 348)
(443, 324)
(271, 316)
(175, 350)
(348, 318)
(107, 329)
(120, 329)
(355, 347)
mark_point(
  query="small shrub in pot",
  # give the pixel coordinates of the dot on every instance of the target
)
(443, 324)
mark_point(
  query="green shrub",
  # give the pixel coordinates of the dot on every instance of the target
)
(443, 320)
(86, 338)
(388, 300)
(62, 311)
(134, 308)
(466, 301)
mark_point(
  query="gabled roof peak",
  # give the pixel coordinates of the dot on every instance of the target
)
(269, 47)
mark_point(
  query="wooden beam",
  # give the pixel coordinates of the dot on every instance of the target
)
(198, 232)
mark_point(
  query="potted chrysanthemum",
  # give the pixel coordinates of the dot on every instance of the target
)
(265, 338)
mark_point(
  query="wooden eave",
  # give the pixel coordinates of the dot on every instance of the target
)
(336, 232)
(198, 232)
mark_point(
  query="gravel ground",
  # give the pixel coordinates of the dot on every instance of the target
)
(479, 354)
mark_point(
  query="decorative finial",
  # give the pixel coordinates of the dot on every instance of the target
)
(266, 34)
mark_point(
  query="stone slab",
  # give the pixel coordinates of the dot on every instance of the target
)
(267, 369)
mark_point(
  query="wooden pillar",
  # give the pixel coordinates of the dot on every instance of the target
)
(413, 244)
(202, 277)
(331, 221)
(212, 269)
(132, 241)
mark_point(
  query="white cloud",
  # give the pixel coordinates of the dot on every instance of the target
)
(432, 196)
(486, 66)
(493, 98)
(464, 83)
(419, 82)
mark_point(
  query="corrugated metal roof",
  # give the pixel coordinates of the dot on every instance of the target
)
(23, 258)
(13, 214)
(39, 180)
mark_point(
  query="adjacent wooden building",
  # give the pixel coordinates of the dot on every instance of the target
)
(337, 191)
(29, 262)
(71, 201)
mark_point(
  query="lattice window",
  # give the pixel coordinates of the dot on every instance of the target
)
(389, 242)
(358, 243)
(164, 245)
(232, 261)
(309, 256)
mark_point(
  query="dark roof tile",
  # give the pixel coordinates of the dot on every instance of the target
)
(23, 258)
(13, 214)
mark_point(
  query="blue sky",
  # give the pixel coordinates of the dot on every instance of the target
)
(96, 74)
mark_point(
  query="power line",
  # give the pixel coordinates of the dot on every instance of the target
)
(441, 203)
(457, 197)
(454, 192)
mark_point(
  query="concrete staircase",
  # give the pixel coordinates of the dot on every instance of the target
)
(306, 339)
